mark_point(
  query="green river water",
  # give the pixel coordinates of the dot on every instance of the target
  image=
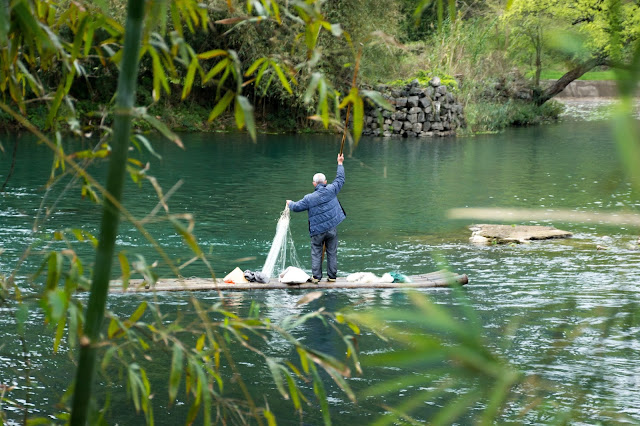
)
(396, 196)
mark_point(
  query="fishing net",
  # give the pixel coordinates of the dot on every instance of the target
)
(281, 245)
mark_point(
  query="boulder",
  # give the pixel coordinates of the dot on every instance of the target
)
(504, 234)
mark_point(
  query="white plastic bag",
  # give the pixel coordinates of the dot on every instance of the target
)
(293, 275)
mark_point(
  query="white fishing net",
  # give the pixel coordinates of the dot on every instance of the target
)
(281, 246)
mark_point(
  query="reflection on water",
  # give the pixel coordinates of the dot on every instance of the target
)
(396, 195)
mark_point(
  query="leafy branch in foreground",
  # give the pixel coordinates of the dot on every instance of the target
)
(459, 372)
(200, 348)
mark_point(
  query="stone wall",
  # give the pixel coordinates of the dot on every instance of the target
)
(419, 112)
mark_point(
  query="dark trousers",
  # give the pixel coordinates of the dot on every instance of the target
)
(330, 240)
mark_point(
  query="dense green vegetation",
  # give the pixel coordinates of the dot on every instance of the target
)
(477, 44)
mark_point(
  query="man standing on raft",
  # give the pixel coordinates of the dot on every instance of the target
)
(325, 214)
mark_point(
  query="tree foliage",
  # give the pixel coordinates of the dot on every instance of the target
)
(582, 33)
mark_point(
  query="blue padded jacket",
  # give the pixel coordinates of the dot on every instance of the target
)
(325, 211)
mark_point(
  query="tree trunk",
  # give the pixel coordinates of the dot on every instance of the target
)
(564, 81)
(538, 57)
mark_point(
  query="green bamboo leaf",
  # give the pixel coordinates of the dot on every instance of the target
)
(378, 99)
(312, 30)
(225, 75)
(193, 412)
(137, 314)
(158, 125)
(175, 18)
(276, 11)
(196, 373)
(293, 391)
(346, 100)
(200, 342)
(188, 237)
(358, 118)
(34, 84)
(328, 362)
(282, 78)
(348, 340)
(276, 373)
(113, 329)
(304, 360)
(191, 73)
(212, 54)
(206, 396)
(79, 37)
(126, 269)
(313, 85)
(261, 72)
(323, 101)
(146, 392)
(55, 105)
(318, 389)
(242, 103)
(334, 29)
(254, 66)
(222, 105)
(59, 331)
(147, 145)
(57, 301)
(176, 372)
(4, 23)
(134, 385)
(271, 419)
(159, 76)
(54, 270)
(26, 20)
(158, 14)
(217, 69)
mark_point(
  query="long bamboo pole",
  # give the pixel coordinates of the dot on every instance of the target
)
(353, 85)
(94, 315)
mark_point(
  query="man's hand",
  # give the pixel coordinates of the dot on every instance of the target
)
(340, 159)
(289, 202)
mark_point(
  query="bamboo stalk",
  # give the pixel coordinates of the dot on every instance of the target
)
(94, 314)
(353, 85)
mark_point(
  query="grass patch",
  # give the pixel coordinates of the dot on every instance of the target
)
(491, 116)
(591, 75)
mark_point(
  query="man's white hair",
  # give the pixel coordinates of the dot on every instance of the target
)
(319, 178)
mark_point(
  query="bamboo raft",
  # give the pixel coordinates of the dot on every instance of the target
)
(430, 280)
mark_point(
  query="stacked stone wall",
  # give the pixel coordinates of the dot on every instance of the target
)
(419, 112)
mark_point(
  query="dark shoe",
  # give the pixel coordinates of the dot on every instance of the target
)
(331, 280)
(314, 280)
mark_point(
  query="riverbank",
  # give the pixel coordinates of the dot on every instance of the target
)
(489, 114)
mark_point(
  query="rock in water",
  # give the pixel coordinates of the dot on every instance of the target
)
(504, 234)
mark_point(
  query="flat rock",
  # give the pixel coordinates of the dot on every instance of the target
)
(504, 234)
